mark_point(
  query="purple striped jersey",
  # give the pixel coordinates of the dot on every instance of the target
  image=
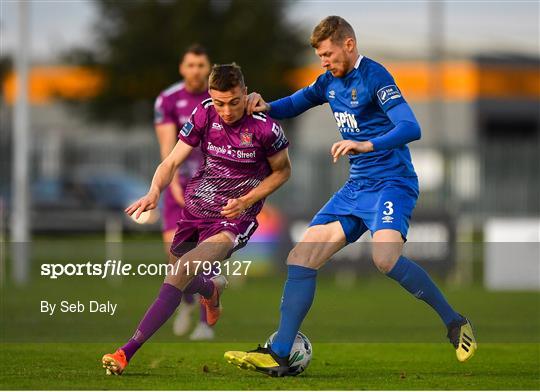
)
(174, 106)
(235, 159)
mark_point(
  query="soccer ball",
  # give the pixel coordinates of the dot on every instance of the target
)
(300, 355)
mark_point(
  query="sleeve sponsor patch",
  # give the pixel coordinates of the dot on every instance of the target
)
(280, 142)
(158, 115)
(186, 129)
(387, 93)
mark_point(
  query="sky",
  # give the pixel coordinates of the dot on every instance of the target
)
(390, 28)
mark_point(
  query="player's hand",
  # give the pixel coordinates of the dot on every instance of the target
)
(146, 203)
(234, 208)
(347, 147)
(177, 192)
(256, 103)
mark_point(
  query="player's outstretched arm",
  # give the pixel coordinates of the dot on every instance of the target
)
(286, 107)
(281, 171)
(255, 103)
(166, 134)
(162, 177)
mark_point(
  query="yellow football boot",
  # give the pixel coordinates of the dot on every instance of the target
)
(262, 360)
(462, 338)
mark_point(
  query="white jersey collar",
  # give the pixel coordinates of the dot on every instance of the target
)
(357, 64)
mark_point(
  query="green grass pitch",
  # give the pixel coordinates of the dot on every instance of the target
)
(371, 335)
(335, 366)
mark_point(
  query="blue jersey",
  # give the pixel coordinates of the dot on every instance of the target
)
(360, 102)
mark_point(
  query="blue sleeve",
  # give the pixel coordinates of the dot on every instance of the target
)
(383, 88)
(300, 101)
(406, 129)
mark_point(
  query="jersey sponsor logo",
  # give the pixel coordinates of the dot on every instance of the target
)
(186, 129)
(246, 139)
(217, 126)
(387, 93)
(182, 103)
(346, 122)
(231, 152)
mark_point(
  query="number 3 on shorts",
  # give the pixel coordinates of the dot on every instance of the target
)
(389, 210)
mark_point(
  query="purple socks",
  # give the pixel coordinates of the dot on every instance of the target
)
(203, 286)
(157, 314)
(200, 284)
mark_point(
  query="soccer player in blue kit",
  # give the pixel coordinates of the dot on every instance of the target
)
(376, 124)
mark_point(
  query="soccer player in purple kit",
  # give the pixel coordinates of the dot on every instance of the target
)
(172, 110)
(245, 160)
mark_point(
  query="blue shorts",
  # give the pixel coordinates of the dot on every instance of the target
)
(373, 204)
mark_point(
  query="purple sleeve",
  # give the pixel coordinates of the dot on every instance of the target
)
(273, 138)
(192, 131)
(162, 112)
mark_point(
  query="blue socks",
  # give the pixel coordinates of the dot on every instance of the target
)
(297, 299)
(417, 282)
(300, 289)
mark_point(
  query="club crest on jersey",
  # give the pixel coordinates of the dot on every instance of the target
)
(246, 139)
(332, 94)
(186, 129)
(354, 97)
(387, 93)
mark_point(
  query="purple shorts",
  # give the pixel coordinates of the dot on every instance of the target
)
(170, 211)
(192, 231)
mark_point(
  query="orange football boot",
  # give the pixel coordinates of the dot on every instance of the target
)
(213, 304)
(115, 363)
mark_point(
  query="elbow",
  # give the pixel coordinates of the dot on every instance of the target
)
(287, 173)
(415, 132)
(418, 132)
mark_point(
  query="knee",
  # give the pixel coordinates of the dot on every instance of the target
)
(177, 272)
(385, 261)
(295, 257)
(300, 257)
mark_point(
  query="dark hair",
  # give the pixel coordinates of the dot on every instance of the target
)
(225, 77)
(196, 49)
(334, 27)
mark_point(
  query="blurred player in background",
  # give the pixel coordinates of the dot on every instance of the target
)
(376, 124)
(171, 111)
(245, 160)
